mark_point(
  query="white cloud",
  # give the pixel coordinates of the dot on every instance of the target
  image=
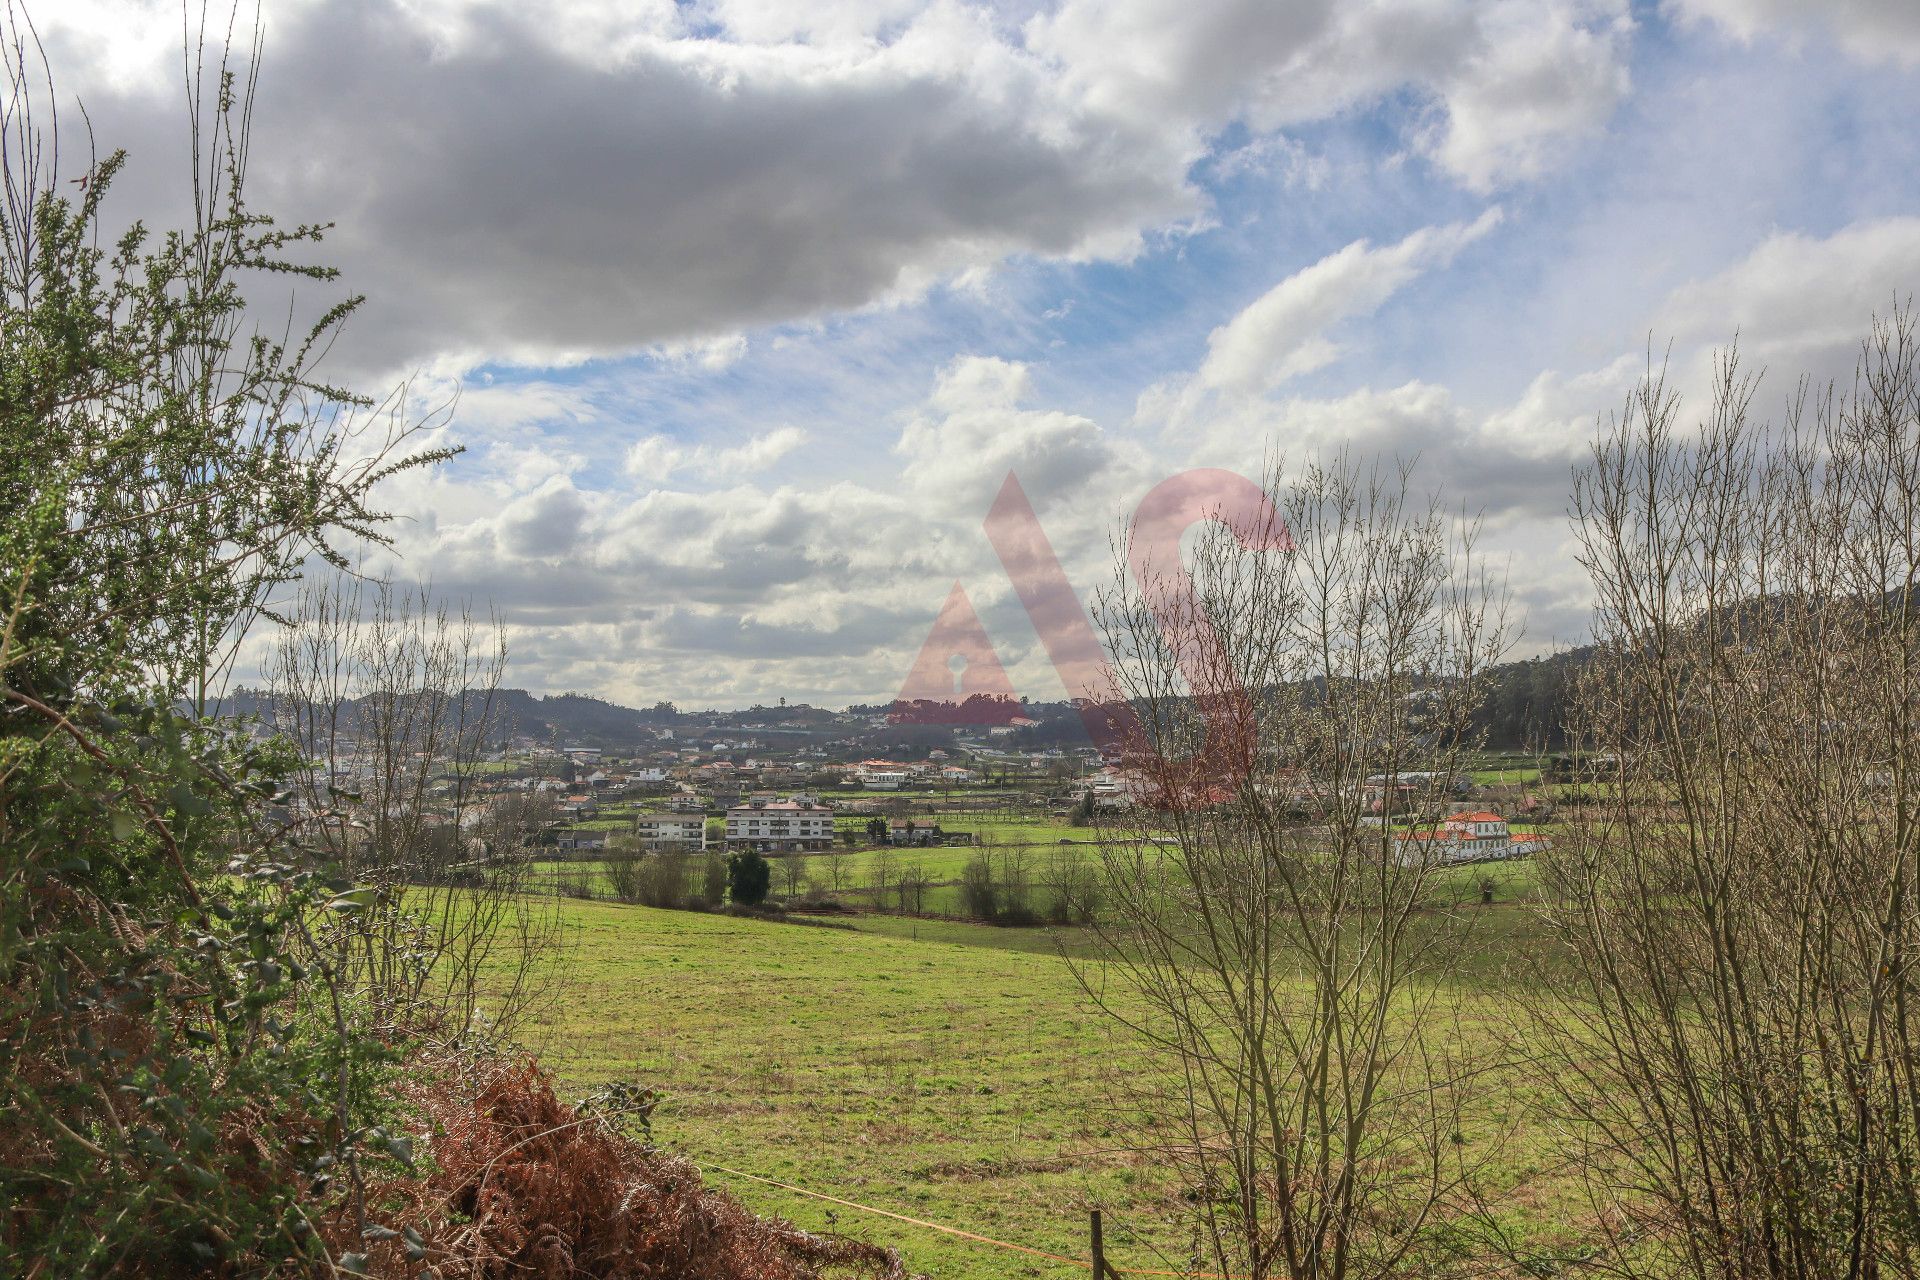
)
(1540, 75)
(1801, 302)
(1510, 80)
(544, 523)
(656, 458)
(976, 427)
(1287, 331)
(1282, 334)
(1869, 30)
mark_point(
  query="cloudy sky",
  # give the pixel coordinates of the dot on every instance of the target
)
(753, 304)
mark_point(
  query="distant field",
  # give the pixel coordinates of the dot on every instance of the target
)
(1506, 775)
(850, 874)
(946, 1071)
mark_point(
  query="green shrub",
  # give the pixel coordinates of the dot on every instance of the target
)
(748, 878)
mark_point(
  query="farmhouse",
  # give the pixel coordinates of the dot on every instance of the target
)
(1469, 837)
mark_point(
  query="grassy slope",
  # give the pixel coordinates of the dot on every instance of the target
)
(967, 1084)
(946, 1071)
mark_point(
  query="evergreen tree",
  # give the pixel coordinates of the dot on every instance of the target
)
(748, 877)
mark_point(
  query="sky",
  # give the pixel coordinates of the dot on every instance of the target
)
(747, 308)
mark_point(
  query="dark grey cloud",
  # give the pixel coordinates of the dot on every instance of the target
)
(503, 198)
(547, 182)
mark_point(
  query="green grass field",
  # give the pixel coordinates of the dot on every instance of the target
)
(994, 825)
(850, 875)
(947, 1071)
(962, 1082)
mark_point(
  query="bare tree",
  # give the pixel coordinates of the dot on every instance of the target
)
(1290, 973)
(389, 696)
(1739, 1058)
(664, 878)
(1070, 882)
(881, 873)
(793, 872)
(836, 861)
(713, 879)
(912, 889)
(623, 865)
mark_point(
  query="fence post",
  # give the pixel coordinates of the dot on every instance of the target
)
(1099, 1250)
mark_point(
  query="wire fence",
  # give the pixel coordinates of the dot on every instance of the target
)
(1095, 1264)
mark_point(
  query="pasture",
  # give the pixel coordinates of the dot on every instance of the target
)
(946, 1071)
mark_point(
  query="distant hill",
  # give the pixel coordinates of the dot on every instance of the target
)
(1525, 708)
(565, 719)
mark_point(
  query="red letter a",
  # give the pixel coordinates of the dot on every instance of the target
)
(981, 694)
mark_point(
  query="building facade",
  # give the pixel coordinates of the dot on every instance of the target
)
(1470, 837)
(665, 830)
(781, 826)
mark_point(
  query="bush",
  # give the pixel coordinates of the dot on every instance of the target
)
(978, 893)
(748, 878)
(623, 874)
(663, 879)
(522, 1184)
(181, 1064)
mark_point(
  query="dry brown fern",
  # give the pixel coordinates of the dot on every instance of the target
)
(519, 1184)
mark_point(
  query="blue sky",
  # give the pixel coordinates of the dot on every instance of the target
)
(751, 304)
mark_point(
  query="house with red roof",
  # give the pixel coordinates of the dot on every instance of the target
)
(1477, 836)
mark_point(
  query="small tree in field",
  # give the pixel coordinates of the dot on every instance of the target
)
(836, 860)
(1082, 815)
(748, 877)
(882, 871)
(1291, 977)
(623, 870)
(663, 879)
(713, 880)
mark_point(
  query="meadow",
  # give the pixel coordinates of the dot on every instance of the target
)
(946, 1071)
(967, 1084)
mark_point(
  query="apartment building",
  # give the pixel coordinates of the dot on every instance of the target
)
(664, 830)
(780, 826)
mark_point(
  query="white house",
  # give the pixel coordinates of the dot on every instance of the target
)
(1470, 837)
(782, 826)
(660, 830)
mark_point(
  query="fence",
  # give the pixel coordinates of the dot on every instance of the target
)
(1095, 1264)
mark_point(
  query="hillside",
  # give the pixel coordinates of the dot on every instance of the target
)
(1524, 709)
